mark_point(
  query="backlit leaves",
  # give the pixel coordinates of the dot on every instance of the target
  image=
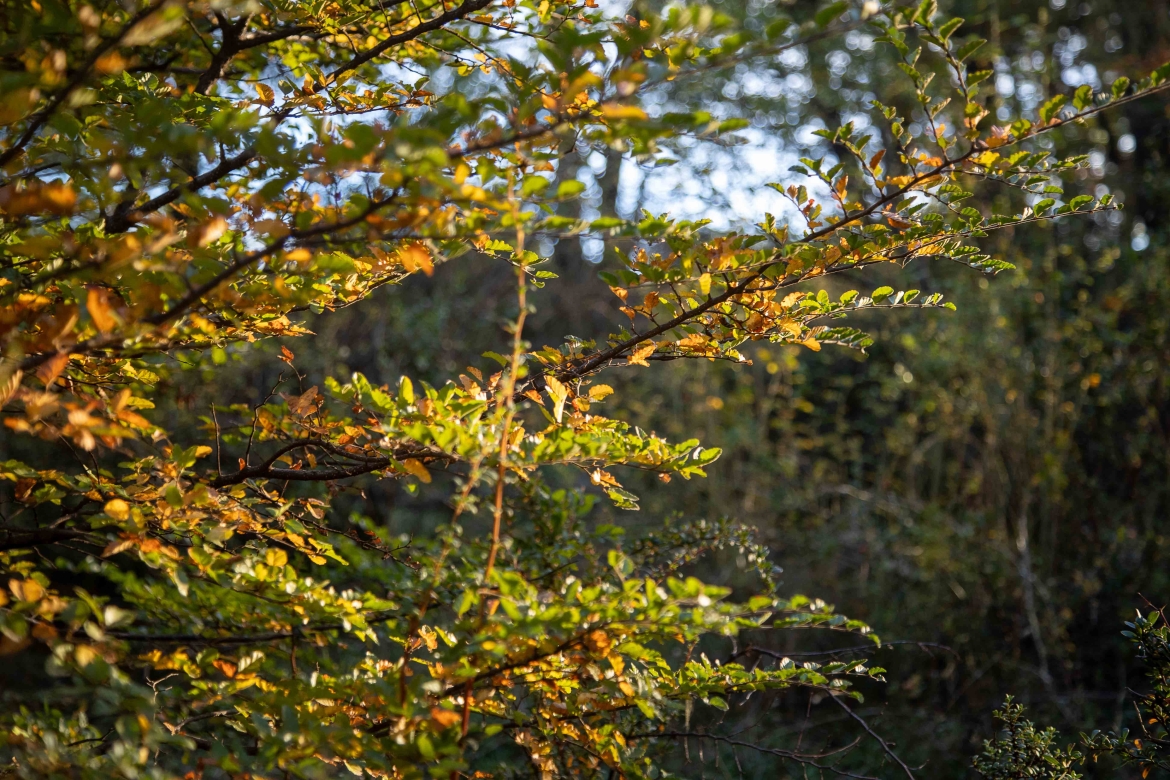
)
(182, 183)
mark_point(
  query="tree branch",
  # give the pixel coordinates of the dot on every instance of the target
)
(468, 7)
(16, 538)
(884, 745)
(38, 120)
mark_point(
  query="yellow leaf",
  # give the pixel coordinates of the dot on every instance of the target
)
(28, 590)
(558, 393)
(117, 509)
(987, 159)
(416, 469)
(298, 255)
(84, 655)
(266, 94)
(275, 557)
(812, 344)
(619, 111)
(202, 451)
(600, 392)
(705, 284)
(638, 357)
(617, 663)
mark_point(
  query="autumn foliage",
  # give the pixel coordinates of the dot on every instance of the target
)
(184, 180)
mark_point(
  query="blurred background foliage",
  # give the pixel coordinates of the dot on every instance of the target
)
(992, 483)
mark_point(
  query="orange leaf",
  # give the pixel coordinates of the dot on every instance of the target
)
(54, 198)
(98, 302)
(445, 719)
(415, 257)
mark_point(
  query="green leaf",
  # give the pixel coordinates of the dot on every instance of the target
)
(926, 9)
(829, 13)
(969, 48)
(570, 188)
(532, 185)
(949, 28)
(1083, 97)
(1160, 74)
(1051, 108)
(881, 293)
(777, 28)
(466, 601)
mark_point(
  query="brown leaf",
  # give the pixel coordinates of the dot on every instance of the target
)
(11, 647)
(24, 487)
(202, 235)
(48, 371)
(304, 404)
(119, 545)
